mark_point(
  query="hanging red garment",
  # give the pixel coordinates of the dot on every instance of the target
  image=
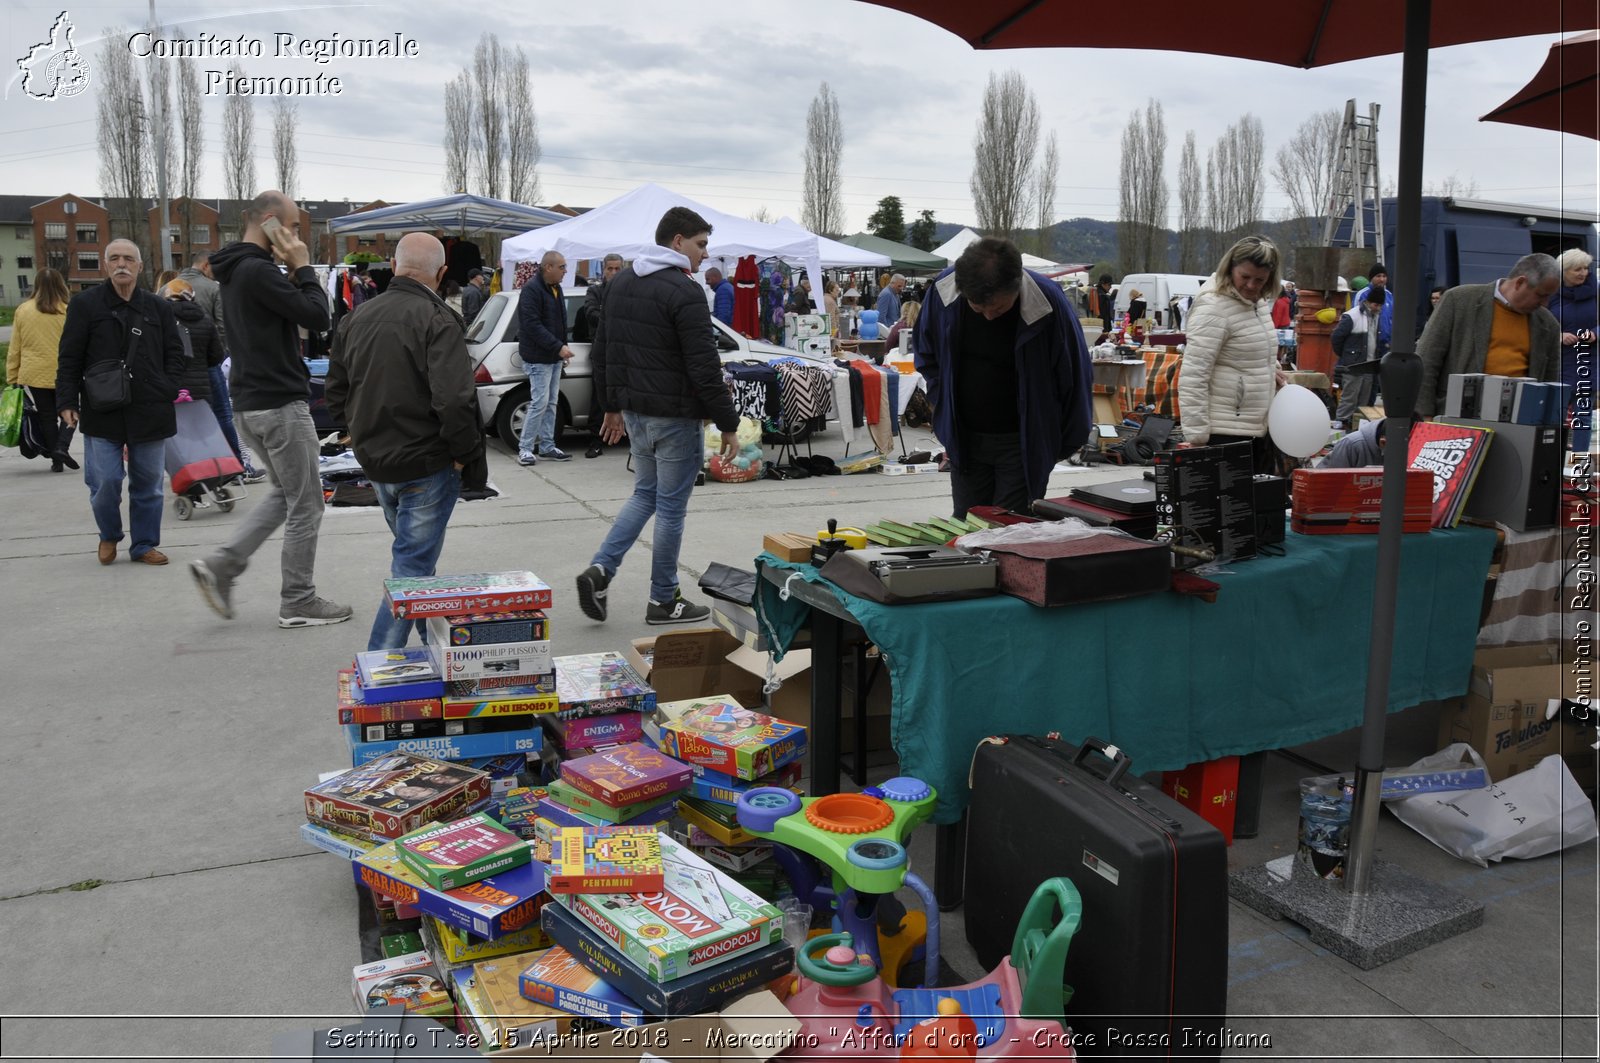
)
(747, 298)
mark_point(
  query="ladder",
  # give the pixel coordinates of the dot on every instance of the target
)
(1355, 182)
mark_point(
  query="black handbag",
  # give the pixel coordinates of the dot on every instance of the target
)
(108, 386)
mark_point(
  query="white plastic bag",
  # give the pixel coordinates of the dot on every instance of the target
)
(1540, 811)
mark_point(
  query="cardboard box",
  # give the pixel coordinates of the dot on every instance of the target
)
(792, 700)
(693, 663)
(1503, 714)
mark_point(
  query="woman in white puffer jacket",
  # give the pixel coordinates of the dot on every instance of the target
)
(1230, 367)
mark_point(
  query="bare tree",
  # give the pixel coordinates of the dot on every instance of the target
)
(121, 134)
(762, 215)
(285, 159)
(489, 138)
(1191, 211)
(522, 133)
(192, 152)
(163, 154)
(1003, 150)
(1044, 195)
(822, 209)
(1303, 168)
(1142, 215)
(1233, 180)
(1452, 185)
(460, 113)
(239, 144)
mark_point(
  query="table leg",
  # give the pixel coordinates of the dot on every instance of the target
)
(826, 697)
(949, 863)
(858, 766)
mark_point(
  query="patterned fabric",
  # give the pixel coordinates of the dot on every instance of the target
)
(805, 392)
(524, 273)
(755, 392)
(1161, 382)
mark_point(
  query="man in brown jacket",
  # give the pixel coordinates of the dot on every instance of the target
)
(1501, 328)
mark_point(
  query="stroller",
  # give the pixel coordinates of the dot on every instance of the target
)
(201, 465)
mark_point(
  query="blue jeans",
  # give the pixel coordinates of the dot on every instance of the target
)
(103, 471)
(667, 454)
(222, 406)
(544, 396)
(417, 512)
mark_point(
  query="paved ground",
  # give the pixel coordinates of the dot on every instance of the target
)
(155, 757)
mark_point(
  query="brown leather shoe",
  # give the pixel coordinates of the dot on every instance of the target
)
(151, 557)
(108, 551)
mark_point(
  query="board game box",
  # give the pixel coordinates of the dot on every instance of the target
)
(445, 747)
(710, 821)
(627, 775)
(604, 860)
(707, 989)
(413, 597)
(410, 980)
(391, 732)
(588, 805)
(353, 706)
(515, 1018)
(701, 918)
(598, 684)
(594, 730)
(558, 980)
(720, 734)
(494, 704)
(336, 842)
(524, 659)
(501, 686)
(713, 786)
(449, 855)
(455, 946)
(490, 908)
(487, 629)
(394, 793)
(398, 675)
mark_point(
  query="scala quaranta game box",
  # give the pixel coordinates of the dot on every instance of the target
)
(720, 734)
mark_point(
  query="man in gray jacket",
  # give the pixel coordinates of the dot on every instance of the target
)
(399, 377)
(1501, 328)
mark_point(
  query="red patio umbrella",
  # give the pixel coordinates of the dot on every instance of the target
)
(1309, 33)
(1564, 95)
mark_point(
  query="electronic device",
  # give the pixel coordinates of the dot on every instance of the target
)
(1464, 394)
(1520, 482)
(1134, 497)
(269, 226)
(908, 571)
(1272, 505)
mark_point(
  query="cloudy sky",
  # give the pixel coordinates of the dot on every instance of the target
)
(710, 98)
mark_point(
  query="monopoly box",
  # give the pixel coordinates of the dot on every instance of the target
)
(701, 918)
(604, 860)
(627, 775)
(414, 597)
(498, 905)
(393, 793)
(705, 989)
(598, 684)
(445, 747)
(720, 734)
(559, 980)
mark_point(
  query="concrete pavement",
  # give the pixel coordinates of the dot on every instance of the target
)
(156, 755)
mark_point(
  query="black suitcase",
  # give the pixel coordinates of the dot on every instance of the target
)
(1149, 966)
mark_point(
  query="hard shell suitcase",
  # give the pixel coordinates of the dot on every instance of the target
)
(1149, 965)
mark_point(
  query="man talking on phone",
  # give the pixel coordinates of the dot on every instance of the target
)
(263, 307)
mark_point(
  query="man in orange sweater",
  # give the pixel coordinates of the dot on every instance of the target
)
(1501, 328)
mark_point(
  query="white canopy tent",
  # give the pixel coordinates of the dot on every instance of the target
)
(952, 248)
(461, 213)
(627, 226)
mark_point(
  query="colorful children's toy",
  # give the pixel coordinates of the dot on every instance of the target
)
(1019, 1010)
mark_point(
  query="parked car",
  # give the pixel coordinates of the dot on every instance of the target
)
(503, 383)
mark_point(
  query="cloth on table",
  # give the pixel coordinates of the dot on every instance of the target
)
(1218, 684)
(1530, 599)
(803, 392)
(875, 404)
(841, 408)
(755, 391)
(892, 394)
(1161, 382)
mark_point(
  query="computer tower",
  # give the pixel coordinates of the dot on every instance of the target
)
(1520, 482)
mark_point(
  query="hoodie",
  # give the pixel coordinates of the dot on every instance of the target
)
(1357, 450)
(262, 308)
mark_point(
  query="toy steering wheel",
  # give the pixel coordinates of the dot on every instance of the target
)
(830, 959)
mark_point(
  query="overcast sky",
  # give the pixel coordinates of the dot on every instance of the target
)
(710, 100)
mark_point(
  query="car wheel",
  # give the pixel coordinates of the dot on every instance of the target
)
(509, 415)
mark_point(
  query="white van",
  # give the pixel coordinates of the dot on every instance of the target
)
(1158, 290)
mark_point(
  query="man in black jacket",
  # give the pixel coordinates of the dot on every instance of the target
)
(542, 346)
(399, 377)
(271, 385)
(656, 365)
(594, 302)
(118, 322)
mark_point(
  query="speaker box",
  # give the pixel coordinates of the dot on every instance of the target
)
(1520, 482)
(1272, 504)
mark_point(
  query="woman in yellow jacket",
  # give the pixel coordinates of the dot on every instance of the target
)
(31, 362)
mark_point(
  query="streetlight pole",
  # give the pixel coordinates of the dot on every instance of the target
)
(164, 229)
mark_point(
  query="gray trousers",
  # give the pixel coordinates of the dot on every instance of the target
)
(285, 445)
(1358, 390)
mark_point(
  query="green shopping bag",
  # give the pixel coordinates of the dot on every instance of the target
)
(11, 416)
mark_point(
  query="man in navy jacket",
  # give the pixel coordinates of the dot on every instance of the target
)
(542, 345)
(1008, 373)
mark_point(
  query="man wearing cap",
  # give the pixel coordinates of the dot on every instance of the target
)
(1379, 281)
(474, 295)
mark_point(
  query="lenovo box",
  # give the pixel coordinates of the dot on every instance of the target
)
(1503, 715)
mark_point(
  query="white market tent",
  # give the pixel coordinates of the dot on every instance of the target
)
(459, 213)
(627, 226)
(952, 248)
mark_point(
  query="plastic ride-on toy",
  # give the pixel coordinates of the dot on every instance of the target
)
(1018, 1011)
(842, 852)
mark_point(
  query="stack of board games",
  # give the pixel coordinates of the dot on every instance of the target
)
(692, 946)
(601, 701)
(626, 775)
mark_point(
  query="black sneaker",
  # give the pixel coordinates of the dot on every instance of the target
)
(592, 584)
(678, 611)
(596, 449)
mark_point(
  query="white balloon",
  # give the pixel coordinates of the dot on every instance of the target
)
(1298, 421)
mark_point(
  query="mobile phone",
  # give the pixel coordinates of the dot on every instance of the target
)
(270, 225)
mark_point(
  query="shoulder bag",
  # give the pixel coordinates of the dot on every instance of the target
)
(108, 386)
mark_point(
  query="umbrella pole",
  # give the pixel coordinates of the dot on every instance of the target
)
(1401, 375)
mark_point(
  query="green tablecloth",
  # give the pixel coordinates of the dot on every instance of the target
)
(1278, 659)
